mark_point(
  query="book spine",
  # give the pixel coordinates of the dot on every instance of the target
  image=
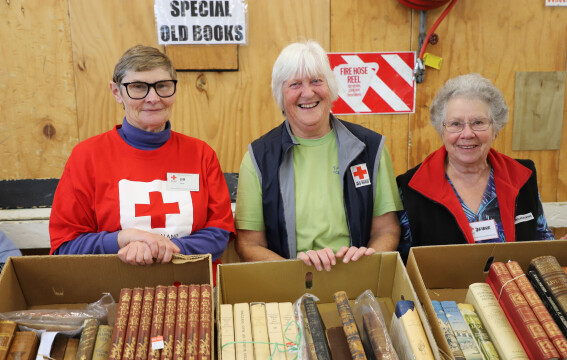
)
(145, 324)
(169, 323)
(259, 330)
(554, 279)
(73, 346)
(243, 332)
(338, 343)
(205, 322)
(24, 346)
(317, 329)
(226, 332)
(192, 335)
(119, 330)
(538, 307)
(443, 323)
(7, 332)
(181, 322)
(309, 340)
(548, 300)
(131, 337)
(521, 316)
(481, 297)
(275, 332)
(405, 311)
(58, 347)
(349, 326)
(479, 332)
(156, 330)
(102, 342)
(87, 339)
(289, 328)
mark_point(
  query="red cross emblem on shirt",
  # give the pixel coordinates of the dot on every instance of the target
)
(157, 209)
(360, 172)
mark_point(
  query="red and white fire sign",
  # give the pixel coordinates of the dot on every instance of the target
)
(374, 83)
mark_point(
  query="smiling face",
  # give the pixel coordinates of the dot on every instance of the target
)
(150, 113)
(467, 148)
(307, 104)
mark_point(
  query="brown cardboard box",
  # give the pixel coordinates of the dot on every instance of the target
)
(279, 281)
(47, 281)
(445, 272)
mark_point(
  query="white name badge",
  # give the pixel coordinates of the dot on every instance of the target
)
(182, 182)
(484, 230)
(523, 218)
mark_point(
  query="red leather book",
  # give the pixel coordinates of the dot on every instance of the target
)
(531, 334)
(145, 324)
(181, 323)
(169, 323)
(538, 307)
(119, 330)
(205, 319)
(131, 338)
(192, 337)
(156, 330)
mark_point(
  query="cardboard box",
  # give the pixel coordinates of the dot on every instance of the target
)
(445, 272)
(287, 280)
(37, 281)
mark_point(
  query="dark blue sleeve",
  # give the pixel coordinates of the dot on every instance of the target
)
(209, 240)
(91, 243)
(405, 238)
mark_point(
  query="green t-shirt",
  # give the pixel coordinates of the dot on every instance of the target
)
(319, 211)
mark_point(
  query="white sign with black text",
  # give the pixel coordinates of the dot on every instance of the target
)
(201, 22)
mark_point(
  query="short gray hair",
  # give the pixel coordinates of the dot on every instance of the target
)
(302, 59)
(142, 58)
(471, 86)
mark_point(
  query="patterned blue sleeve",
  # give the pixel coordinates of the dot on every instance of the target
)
(543, 231)
(405, 238)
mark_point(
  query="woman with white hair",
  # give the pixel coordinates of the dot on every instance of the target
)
(315, 187)
(467, 192)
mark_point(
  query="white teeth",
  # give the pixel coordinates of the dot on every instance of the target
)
(468, 147)
(308, 106)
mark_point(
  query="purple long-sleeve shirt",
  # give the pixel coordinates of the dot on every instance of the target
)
(211, 240)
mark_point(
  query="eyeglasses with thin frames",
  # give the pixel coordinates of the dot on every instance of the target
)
(456, 126)
(138, 90)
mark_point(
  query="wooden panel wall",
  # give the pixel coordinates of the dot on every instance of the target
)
(58, 56)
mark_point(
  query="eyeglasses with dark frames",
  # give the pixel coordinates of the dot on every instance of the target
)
(456, 126)
(138, 90)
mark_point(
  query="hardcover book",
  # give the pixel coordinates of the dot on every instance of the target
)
(289, 327)
(192, 330)
(205, 322)
(143, 345)
(479, 332)
(405, 311)
(119, 330)
(538, 307)
(87, 339)
(58, 347)
(548, 301)
(349, 326)
(275, 332)
(156, 329)
(377, 334)
(73, 346)
(481, 297)
(553, 278)
(520, 314)
(316, 328)
(338, 343)
(102, 342)
(447, 331)
(7, 331)
(169, 323)
(180, 336)
(461, 330)
(243, 332)
(24, 346)
(131, 337)
(226, 332)
(260, 330)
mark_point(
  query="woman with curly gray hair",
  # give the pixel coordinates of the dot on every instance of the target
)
(467, 192)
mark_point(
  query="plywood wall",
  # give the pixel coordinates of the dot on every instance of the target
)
(57, 58)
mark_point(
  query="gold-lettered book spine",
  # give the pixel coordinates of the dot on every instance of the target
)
(102, 342)
(87, 339)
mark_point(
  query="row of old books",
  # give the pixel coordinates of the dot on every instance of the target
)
(512, 315)
(92, 343)
(285, 331)
(163, 323)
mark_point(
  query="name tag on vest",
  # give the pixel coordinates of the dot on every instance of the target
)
(523, 218)
(484, 230)
(184, 182)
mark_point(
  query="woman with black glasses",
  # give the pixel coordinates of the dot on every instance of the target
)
(142, 190)
(467, 192)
